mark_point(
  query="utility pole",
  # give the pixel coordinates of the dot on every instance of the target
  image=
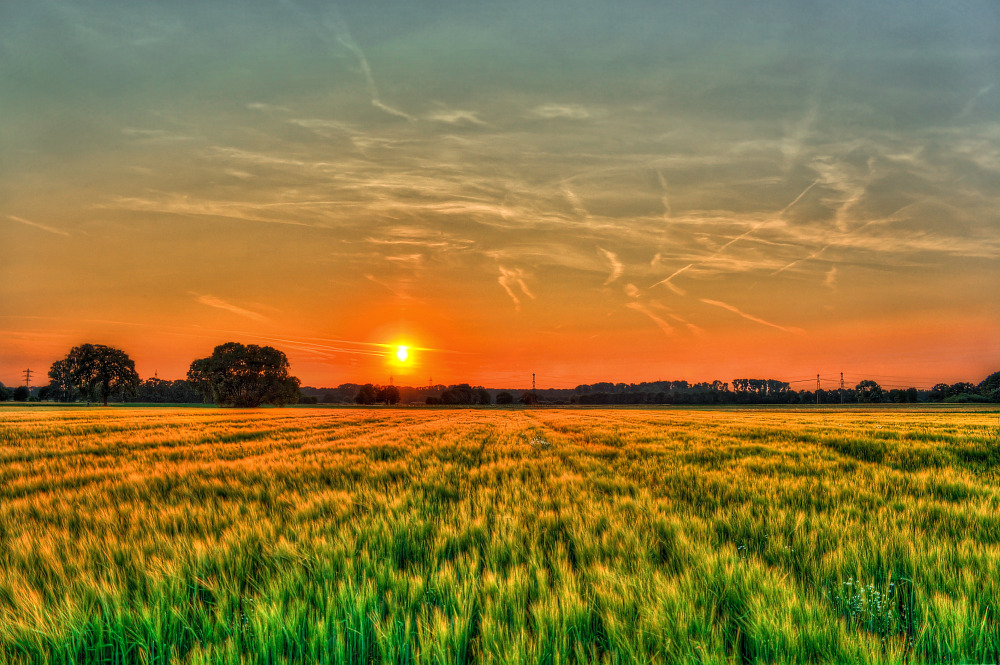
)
(27, 378)
(390, 379)
(841, 387)
(532, 382)
(817, 389)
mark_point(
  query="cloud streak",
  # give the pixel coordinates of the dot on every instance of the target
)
(750, 317)
(512, 281)
(659, 321)
(38, 225)
(219, 303)
(616, 266)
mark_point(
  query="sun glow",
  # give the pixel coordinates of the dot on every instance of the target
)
(402, 354)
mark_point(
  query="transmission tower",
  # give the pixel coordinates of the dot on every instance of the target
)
(532, 382)
(841, 387)
(27, 378)
(817, 389)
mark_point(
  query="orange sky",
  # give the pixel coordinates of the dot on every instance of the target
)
(656, 193)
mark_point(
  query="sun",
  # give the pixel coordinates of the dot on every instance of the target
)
(402, 353)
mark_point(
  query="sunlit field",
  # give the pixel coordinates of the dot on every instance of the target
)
(499, 536)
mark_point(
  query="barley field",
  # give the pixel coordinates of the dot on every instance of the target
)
(160, 535)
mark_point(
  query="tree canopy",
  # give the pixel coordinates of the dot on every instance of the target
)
(97, 371)
(244, 376)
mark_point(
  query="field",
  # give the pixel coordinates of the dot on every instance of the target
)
(499, 536)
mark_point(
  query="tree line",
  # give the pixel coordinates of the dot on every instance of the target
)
(234, 375)
(250, 376)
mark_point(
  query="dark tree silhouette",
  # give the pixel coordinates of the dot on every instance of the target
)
(460, 394)
(245, 376)
(868, 391)
(482, 396)
(504, 397)
(990, 387)
(528, 398)
(367, 394)
(61, 381)
(21, 394)
(388, 394)
(98, 371)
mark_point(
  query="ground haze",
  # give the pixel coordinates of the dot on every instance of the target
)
(499, 536)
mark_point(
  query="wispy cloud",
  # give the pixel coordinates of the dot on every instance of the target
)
(268, 108)
(574, 201)
(183, 205)
(831, 277)
(456, 117)
(38, 225)
(570, 111)
(343, 36)
(219, 303)
(512, 281)
(162, 135)
(665, 200)
(750, 317)
(659, 321)
(616, 265)
(970, 105)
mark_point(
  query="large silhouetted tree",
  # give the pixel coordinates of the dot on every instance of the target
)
(244, 376)
(98, 371)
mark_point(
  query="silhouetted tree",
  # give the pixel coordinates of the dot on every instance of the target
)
(868, 391)
(100, 371)
(5, 394)
(990, 387)
(245, 376)
(460, 394)
(482, 396)
(388, 394)
(161, 391)
(504, 397)
(21, 394)
(528, 398)
(61, 381)
(939, 392)
(962, 388)
(367, 395)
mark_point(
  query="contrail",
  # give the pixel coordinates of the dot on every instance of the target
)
(715, 254)
(750, 317)
(334, 22)
(37, 225)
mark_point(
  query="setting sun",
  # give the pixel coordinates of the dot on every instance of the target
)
(402, 354)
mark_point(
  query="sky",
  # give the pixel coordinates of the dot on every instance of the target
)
(584, 190)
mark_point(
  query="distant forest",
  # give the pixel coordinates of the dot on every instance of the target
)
(740, 391)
